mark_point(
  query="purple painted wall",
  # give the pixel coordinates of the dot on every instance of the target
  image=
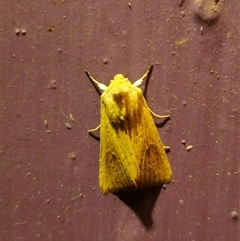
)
(49, 163)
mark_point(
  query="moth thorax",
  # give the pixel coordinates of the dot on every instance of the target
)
(118, 107)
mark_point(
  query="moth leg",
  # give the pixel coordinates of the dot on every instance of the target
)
(100, 85)
(159, 116)
(138, 82)
(95, 129)
(166, 148)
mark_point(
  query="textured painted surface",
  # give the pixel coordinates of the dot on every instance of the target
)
(49, 164)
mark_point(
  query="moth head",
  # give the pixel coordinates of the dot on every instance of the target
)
(119, 79)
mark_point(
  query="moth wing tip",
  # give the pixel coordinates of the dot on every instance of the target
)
(168, 178)
(105, 191)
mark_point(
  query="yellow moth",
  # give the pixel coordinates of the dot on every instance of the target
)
(131, 153)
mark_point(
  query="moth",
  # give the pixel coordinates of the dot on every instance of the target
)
(131, 152)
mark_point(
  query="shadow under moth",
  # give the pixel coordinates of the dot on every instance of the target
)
(131, 152)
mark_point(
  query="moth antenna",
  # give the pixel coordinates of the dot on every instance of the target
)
(139, 81)
(100, 85)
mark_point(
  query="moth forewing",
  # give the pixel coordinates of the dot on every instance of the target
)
(131, 153)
